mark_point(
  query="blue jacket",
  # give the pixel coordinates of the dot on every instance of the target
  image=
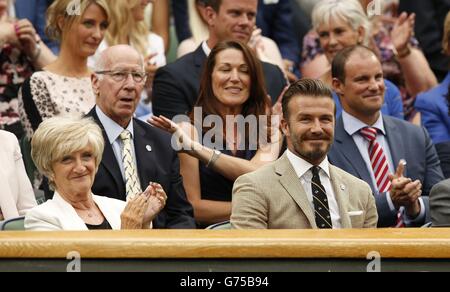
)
(35, 12)
(276, 22)
(405, 141)
(392, 106)
(433, 107)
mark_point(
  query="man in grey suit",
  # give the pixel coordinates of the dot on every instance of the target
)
(440, 204)
(369, 145)
(301, 189)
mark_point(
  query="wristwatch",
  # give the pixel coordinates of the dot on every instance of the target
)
(36, 53)
(213, 159)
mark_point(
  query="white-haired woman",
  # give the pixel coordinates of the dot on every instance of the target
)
(68, 151)
(340, 23)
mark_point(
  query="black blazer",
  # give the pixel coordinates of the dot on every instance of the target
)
(430, 16)
(405, 141)
(176, 85)
(159, 165)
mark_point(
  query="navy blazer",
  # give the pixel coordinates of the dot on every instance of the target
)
(159, 165)
(430, 16)
(176, 85)
(433, 107)
(181, 19)
(276, 22)
(405, 141)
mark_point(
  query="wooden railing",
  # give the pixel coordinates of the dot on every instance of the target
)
(228, 250)
(389, 243)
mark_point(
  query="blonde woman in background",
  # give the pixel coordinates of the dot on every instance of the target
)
(265, 48)
(128, 27)
(157, 18)
(64, 86)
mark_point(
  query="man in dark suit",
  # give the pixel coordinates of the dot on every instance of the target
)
(440, 204)
(118, 83)
(175, 87)
(430, 15)
(369, 145)
(275, 19)
(181, 19)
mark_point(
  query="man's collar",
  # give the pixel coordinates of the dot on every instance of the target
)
(206, 48)
(302, 166)
(112, 129)
(353, 125)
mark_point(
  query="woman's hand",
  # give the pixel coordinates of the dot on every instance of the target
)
(150, 68)
(132, 216)
(277, 108)
(27, 37)
(8, 34)
(403, 31)
(157, 201)
(255, 41)
(181, 141)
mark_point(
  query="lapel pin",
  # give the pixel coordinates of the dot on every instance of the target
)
(149, 148)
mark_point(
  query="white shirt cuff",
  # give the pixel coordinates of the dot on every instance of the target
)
(420, 218)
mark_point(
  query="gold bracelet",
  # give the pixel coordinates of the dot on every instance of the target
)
(403, 53)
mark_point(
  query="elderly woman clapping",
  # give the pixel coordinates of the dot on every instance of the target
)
(68, 151)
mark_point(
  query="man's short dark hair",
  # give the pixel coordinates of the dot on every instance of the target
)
(341, 59)
(214, 4)
(305, 88)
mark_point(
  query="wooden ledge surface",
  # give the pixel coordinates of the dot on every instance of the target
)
(351, 243)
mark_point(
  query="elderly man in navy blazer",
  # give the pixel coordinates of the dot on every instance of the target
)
(370, 145)
(176, 86)
(135, 153)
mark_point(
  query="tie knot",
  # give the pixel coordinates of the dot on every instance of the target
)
(125, 135)
(315, 170)
(369, 133)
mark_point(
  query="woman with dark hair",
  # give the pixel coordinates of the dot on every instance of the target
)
(230, 132)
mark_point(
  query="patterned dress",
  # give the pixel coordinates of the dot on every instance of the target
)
(47, 94)
(14, 69)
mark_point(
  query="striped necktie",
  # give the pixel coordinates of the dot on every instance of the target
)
(321, 207)
(380, 167)
(378, 160)
(132, 185)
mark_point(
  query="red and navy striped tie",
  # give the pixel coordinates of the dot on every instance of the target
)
(378, 160)
(380, 167)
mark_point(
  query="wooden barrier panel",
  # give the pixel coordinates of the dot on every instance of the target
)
(230, 246)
